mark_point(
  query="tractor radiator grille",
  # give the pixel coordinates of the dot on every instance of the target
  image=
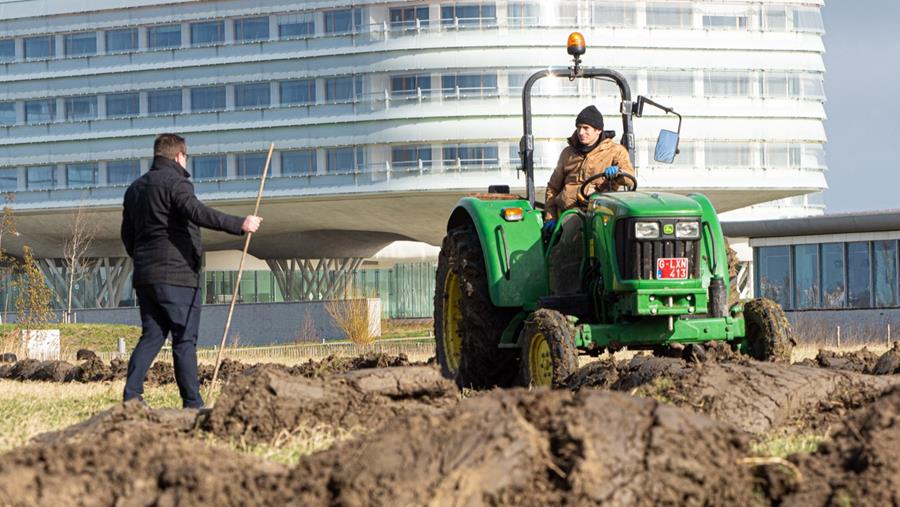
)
(637, 258)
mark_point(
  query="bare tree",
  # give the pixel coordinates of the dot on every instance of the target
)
(82, 230)
(7, 263)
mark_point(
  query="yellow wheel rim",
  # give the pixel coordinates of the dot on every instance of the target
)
(452, 338)
(540, 362)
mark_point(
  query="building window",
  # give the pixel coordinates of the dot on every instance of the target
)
(344, 160)
(834, 291)
(725, 21)
(81, 108)
(403, 87)
(164, 101)
(670, 83)
(81, 175)
(253, 95)
(40, 111)
(7, 50)
(773, 274)
(207, 167)
(410, 157)
(686, 154)
(292, 26)
(408, 18)
(613, 15)
(858, 272)
(469, 15)
(250, 164)
(726, 84)
(121, 41)
(806, 276)
(343, 21)
(298, 91)
(523, 14)
(208, 98)
(123, 105)
(343, 89)
(884, 255)
(40, 177)
(782, 155)
(471, 155)
(808, 19)
(813, 156)
(78, 44)
(207, 33)
(9, 179)
(469, 85)
(776, 19)
(670, 15)
(122, 172)
(164, 36)
(40, 47)
(727, 154)
(812, 86)
(7, 113)
(299, 162)
(782, 86)
(250, 29)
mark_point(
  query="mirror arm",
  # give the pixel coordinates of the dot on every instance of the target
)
(639, 109)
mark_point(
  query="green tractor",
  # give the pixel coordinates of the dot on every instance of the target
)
(642, 270)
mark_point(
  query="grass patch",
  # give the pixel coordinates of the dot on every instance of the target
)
(96, 337)
(782, 446)
(289, 447)
(407, 328)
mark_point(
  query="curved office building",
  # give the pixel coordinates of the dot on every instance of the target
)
(383, 113)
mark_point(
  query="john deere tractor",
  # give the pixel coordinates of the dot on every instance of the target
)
(642, 270)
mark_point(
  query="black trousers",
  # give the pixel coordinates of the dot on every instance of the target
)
(167, 309)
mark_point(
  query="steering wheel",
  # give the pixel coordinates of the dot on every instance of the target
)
(630, 185)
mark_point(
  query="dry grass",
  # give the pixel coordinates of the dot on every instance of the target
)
(351, 316)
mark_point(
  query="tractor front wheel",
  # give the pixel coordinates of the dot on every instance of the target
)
(769, 336)
(548, 349)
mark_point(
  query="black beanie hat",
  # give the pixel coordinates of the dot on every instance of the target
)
(590, 116)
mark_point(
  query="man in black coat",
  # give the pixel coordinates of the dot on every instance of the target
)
(161, 224)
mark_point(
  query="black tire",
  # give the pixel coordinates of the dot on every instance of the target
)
(769, 335)
(482, 364)
(445, 351)
(558, 333)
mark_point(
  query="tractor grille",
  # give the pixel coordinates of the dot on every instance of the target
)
(637, 258)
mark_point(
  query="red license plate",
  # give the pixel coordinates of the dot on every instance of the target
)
(672, 268)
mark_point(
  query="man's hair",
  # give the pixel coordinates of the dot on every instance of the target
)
(169, 146)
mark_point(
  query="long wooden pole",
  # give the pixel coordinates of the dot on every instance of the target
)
(237, 285)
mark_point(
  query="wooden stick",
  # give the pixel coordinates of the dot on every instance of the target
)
(237, 285)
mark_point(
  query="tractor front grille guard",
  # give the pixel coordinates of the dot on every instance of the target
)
(637, 257)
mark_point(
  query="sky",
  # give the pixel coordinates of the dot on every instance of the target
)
(862, 86)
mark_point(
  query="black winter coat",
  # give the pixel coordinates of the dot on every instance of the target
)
(161, 226)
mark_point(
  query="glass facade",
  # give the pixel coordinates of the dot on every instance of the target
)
(856, 274)
(670, 15)
(164, 101)
(298, 91)
(207, 33)
(7, 113)
(298, 162)
(292, 26)
(7, 50)
(343, 89)
(81, 175)
(414, 86)
(469, 15)
(123, 105)
(476, 155)
(408, 18)
(208, 167)
(252, 95)
(121, 41)
(40, 111)
(250, 165)
(344, 160)
(39, 47)
(343, 21)
(80, 44)
(9, 179)
(164, 36)
(122, 172)
(208, 98)
(81, 108)
(251, 29)
(410, 157)
(40, 177)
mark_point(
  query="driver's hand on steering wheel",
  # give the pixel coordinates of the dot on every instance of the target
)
(611, 172)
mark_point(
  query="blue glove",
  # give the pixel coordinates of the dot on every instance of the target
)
(548, 227)
(611, 172)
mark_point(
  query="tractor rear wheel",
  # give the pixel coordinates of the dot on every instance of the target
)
(548, 349)
(467, 324)
(769, 336)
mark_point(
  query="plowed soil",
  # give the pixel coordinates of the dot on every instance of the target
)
(650, 431)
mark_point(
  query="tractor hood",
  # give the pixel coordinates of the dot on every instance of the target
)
(648, 204)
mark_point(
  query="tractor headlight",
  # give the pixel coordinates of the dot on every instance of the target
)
(687, 230)
(646, 230)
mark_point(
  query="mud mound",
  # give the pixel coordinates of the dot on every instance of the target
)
(862, 361)
(129, 456)
(332, 365)
(52, 371)
(24, 369)
(92, 370)
(858, 466)
(266, 401)
(755, 396)
(535, 448)
(228, 369)
(889, 362)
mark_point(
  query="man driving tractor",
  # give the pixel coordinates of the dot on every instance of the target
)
(588, 154)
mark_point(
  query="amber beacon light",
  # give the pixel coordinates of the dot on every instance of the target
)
(575, 44)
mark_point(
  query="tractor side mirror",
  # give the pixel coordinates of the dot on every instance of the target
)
(666, 147)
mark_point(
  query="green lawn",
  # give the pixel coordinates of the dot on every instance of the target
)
(96, 337)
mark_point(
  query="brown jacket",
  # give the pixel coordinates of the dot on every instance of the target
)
(574, 167)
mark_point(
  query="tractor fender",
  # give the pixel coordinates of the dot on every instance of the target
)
(513, 250)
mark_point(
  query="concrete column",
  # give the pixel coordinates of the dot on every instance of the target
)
(229, 97)
(20, 178)
(186, 100)
(230, 166)
(185, 35)
(143, 104)
(275, 93)
(229, 31)
(60, 43)
(145, 165)
(275, 165)
(273, 27)
(142, 38)
(101, 107)
(20, 49)
(321, 161)
(60, 170)
(20, 112)
(102, 174)
(320, 91)
(434, 14)
(101, 42)
(60, 109)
